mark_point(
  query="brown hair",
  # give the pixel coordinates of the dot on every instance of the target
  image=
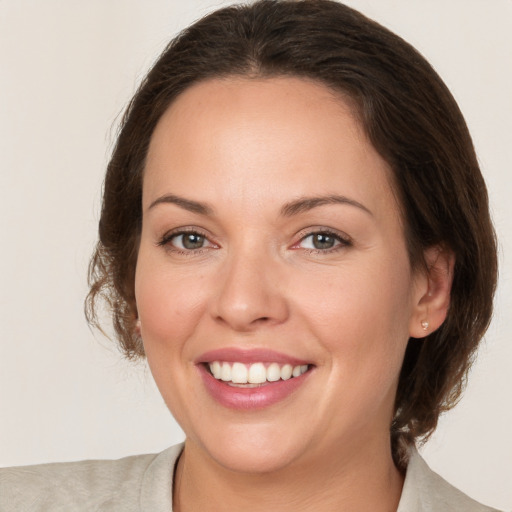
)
(409, 116)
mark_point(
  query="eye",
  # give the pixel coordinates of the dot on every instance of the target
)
(186, 241)
(322, 241)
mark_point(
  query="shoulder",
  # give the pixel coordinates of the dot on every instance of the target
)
(426, 491)
(91, 485)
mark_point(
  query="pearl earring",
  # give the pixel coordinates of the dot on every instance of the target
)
(424, 325)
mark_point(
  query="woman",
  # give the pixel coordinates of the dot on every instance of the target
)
(295, 233)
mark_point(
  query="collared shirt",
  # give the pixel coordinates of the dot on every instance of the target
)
(143, 483)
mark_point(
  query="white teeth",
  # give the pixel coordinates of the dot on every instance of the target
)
(239, 373)
(225, 373)
(286, 371)
(273, 372)
(256, 373)
(215, 368)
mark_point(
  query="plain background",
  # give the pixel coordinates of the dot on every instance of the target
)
(67, 68)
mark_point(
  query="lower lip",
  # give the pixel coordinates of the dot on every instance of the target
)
(250, 398)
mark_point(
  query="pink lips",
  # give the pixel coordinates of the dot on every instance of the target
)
(248, 356)
(258, 397)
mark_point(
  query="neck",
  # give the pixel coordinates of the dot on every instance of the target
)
(364, 479)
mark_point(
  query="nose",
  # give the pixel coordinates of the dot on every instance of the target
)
(250, 293)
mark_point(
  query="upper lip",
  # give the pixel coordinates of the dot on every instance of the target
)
(246, 355)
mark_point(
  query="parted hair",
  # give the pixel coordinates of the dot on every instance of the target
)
(409, 116)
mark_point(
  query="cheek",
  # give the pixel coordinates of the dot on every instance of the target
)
(169, 303)
(361, 316)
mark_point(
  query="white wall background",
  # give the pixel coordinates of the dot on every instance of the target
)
(67, 68)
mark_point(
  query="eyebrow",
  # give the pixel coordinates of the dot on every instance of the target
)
(304, 204)
(186, 204)
(295, 207)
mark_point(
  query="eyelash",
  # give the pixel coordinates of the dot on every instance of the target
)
(342, 241)
(166, 242)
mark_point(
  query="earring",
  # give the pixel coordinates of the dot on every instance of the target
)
(424, 325)
(137, 327)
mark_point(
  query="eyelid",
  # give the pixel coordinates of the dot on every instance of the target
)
(166, 239)
(343, 239)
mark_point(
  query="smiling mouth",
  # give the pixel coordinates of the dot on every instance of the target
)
(257, 374)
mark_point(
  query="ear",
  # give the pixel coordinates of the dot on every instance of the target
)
(432, 292)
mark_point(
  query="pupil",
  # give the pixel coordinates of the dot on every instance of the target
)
(193, 241)
(323, 241)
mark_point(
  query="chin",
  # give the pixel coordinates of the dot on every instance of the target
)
(253, 450)
(249, 461)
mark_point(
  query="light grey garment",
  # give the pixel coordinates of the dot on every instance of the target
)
(426, 491)
(143, 483)
(133, 484)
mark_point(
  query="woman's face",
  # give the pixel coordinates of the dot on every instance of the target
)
(272, 245)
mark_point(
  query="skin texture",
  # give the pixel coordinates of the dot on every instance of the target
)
(245, 148)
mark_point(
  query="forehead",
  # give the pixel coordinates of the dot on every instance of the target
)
(286, 135)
